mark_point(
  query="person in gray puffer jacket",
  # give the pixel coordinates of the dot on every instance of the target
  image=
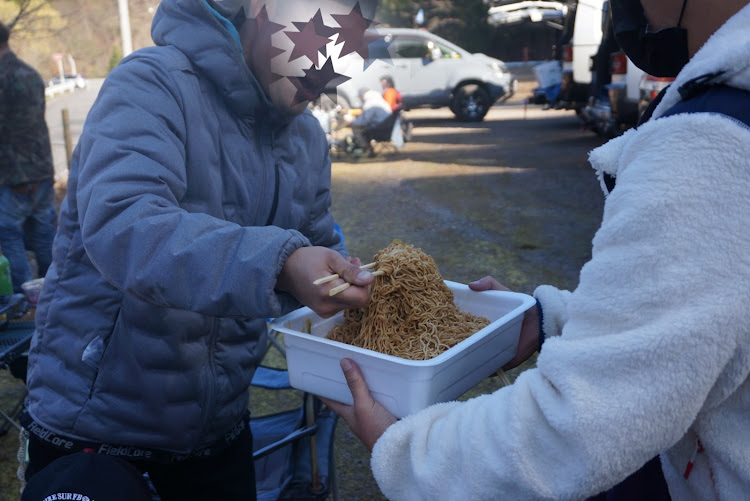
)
(198, 205)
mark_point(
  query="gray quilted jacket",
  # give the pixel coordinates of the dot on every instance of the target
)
(186, 195)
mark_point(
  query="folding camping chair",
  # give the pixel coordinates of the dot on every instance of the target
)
(15, 338)
(381, 135)
(293, 448)
(388, 135)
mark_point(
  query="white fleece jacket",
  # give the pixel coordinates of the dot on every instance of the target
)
(654, 344)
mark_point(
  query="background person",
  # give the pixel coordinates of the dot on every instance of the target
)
(375, 110)
(395, 99)
(650, 355)
(26, 169)
(198, 205)
(390, 94)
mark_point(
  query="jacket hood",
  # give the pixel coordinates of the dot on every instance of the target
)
(723, 58)
(212, 44)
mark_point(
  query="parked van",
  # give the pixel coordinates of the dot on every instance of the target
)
(614, 96)
(579, 41)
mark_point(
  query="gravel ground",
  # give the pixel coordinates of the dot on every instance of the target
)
(512, 197)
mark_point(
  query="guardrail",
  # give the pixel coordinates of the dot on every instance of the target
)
(61, 88)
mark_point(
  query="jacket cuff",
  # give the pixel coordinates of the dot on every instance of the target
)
(554, 303)
(540, 314)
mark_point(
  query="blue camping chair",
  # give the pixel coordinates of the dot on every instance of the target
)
(15, 339)
(293, 448)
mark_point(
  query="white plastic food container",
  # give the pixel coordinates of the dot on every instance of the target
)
(405, 386)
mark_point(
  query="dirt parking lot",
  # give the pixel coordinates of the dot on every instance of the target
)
(513, 197)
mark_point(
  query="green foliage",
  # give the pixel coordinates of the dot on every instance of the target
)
(463, 22)
(114, 58)
(396, 12)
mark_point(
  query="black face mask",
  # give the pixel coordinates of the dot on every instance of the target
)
(660, 54)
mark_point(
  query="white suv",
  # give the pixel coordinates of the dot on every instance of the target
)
(431, 72)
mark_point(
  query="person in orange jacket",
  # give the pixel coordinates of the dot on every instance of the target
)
(390, 94)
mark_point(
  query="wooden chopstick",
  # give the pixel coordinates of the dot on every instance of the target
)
(338, 289)
(335, 276)
(343, 287)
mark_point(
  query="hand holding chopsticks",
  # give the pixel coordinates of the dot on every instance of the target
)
(304, 265)
(343, 287)
(335, 276)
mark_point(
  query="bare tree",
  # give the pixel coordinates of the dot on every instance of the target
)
(35, 27)
(28, 10)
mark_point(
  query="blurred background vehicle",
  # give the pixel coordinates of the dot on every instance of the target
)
(63, 81)
(79, 81)
(614, 95)
(591, 75)
(512, 12)
(616, 108)
(580, 40)
(431, 72)
(649, 88)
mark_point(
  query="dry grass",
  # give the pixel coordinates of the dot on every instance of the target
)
(10, 391)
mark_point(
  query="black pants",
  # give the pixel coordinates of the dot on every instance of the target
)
(229, 475)
(361, 138)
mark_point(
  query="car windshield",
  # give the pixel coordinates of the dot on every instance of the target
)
(405, 47)
(446, 51)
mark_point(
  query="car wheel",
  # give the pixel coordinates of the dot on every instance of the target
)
(470, 103)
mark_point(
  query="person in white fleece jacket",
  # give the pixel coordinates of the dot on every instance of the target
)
(650, 354)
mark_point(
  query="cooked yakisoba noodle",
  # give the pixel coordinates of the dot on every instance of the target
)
(411, 313)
